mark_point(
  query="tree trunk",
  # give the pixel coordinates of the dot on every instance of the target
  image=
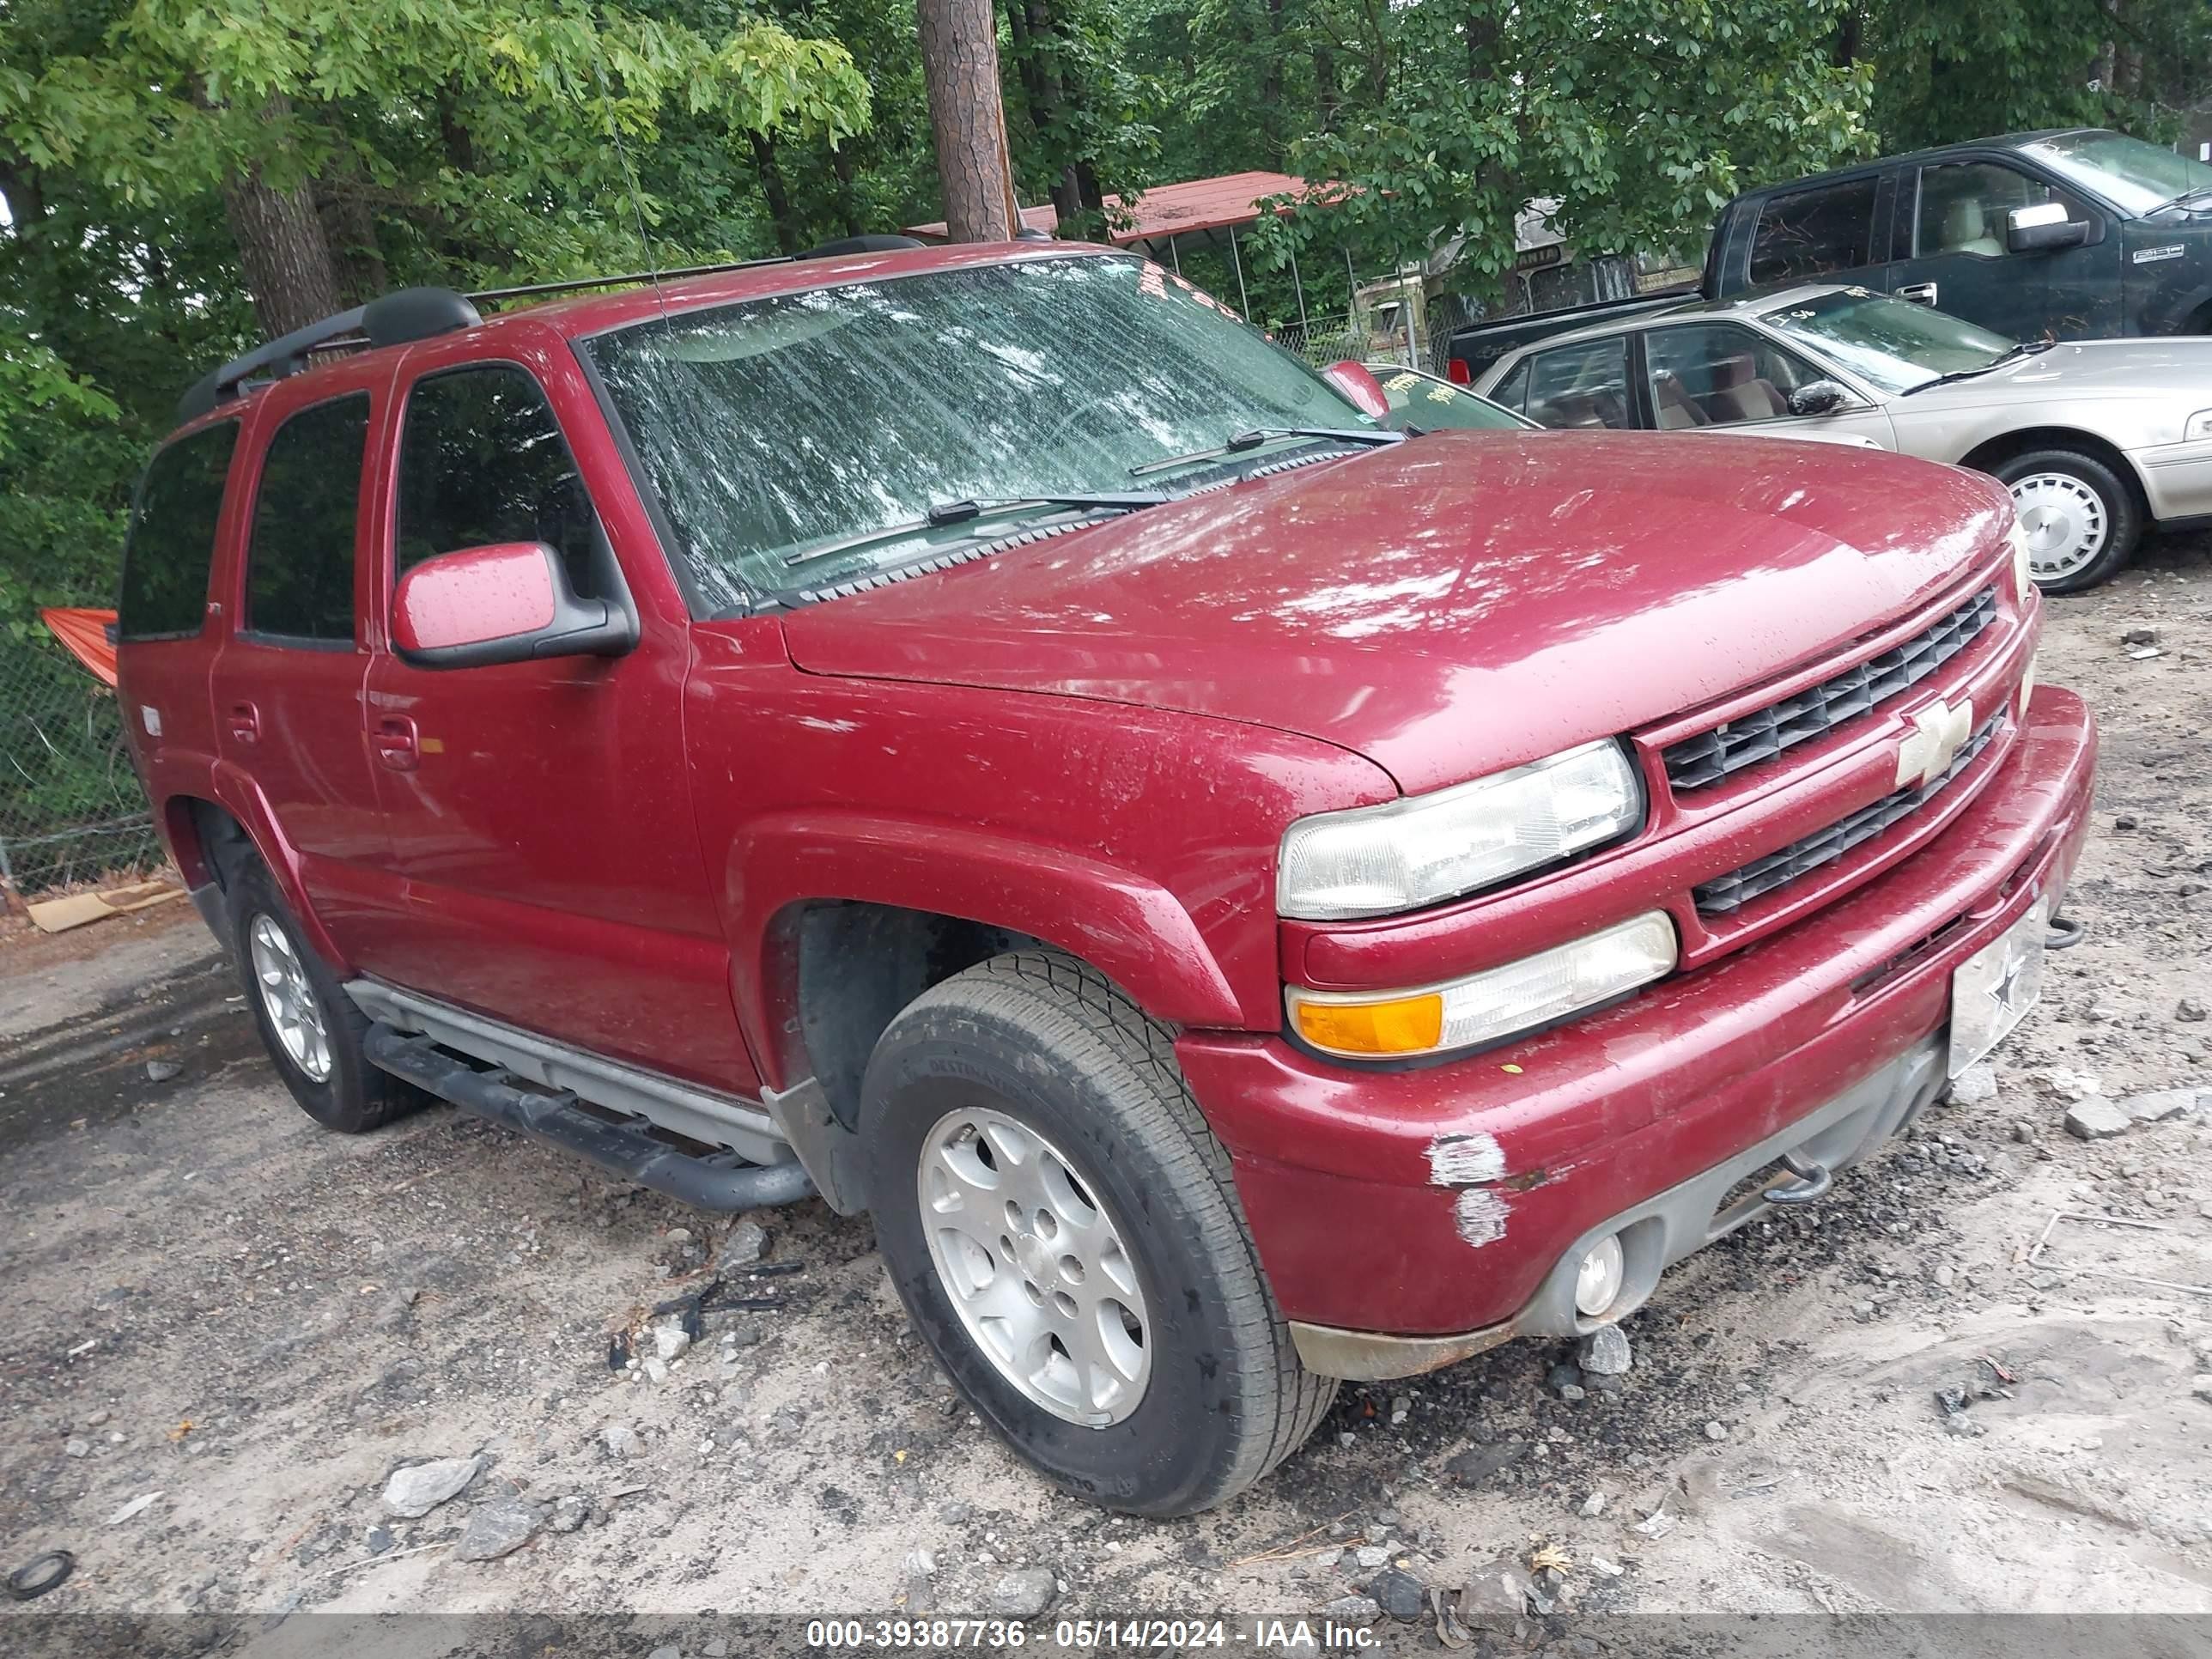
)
(281, 248)
(788, 238)
(1849, 33)
(960, 69)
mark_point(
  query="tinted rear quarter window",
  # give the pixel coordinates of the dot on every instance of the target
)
(482, 460)
(299, 583)
(172, 542)
(1811, 233)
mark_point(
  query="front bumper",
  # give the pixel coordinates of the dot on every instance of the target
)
(2177, 478)
(1408, 1218)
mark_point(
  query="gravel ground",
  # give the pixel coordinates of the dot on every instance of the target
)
(216, 1304)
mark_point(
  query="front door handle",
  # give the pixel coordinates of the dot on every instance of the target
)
(396, 744)
(245, 722)
(1921, 293)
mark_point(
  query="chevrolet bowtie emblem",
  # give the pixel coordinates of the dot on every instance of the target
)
(1939, 733)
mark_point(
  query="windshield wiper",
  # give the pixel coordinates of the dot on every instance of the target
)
(1258, 435)
(1958, 374)
(944, 515)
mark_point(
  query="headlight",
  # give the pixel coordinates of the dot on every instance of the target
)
(1538, 990)
(1380, 860)
(2023, 576)
(2198, 425)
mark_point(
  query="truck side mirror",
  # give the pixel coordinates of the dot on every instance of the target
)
(2043, 228)
(504, 602)
(1818, 397)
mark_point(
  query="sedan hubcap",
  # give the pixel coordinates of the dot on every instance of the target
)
(1034, 1267)
(2065, 522)
(289, 999)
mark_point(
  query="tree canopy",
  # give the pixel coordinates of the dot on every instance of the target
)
(179, 177)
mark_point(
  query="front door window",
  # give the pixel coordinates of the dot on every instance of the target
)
(1964, 205)
(1720, 374)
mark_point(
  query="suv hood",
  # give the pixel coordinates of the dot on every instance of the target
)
(1448, 606)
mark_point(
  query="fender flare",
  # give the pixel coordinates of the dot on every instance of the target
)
(230, 787)
(1131, 929)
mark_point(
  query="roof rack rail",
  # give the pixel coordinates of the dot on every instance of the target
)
(422, 314)
(407, 313)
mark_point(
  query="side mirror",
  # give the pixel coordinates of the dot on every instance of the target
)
(1356, 382)
(2043, 228)
(1818, 397)
(507, 602)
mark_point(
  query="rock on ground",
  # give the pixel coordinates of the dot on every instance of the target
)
(1398, 1594)
(2095, 1118)
(415, 1491)
(1023, 1593)
(1352, 1610)
(746, 1244)
(1606, 1353)
(2156, 1108)
(1975, 1085)
(499, 1528)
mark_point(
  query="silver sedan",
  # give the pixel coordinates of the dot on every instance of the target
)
(2097, 438)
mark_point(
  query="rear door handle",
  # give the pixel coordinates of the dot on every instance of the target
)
(245, 722)
(1921, 293)
(396, 745)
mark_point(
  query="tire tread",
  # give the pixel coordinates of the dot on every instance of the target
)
(1282, 1403)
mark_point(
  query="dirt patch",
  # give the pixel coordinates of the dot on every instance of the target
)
(215, 1301)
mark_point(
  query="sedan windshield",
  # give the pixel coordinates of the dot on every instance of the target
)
(792, 432)
(1887, 342)
(2133, 176)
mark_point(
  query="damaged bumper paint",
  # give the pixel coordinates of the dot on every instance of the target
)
(1409, 1217)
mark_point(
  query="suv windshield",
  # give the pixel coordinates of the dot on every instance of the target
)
(2133, 176)
(1887, 342)
(769, 426)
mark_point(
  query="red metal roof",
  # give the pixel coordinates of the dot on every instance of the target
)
(1170, 210)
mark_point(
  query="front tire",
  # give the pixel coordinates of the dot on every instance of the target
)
(2082, 519)
(1063, 1229)
(310, 1026)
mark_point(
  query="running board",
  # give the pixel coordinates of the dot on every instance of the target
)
(718, 1182)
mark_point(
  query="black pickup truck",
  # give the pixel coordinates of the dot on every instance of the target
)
(2066, 235)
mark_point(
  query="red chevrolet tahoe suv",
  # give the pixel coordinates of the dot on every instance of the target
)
(1245, 898)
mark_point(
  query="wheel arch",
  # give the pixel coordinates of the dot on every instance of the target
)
(1993, 453)
(916, 902)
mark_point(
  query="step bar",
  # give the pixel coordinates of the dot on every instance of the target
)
(719, 1180)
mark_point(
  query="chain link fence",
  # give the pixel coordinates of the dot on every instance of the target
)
(71, 808)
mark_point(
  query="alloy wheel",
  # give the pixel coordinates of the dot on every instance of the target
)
(289, 999)
(1035, 1266)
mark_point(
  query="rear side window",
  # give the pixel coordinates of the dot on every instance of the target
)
(1814, 232)
(299, 565)
(483, 460)
(1584, 385)
(172, 545)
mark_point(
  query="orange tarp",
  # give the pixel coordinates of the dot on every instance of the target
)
(85, 633)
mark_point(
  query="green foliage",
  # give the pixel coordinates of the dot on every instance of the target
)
(1951, 70)
(1638, 117)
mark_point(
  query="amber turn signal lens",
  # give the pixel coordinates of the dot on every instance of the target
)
(1404, 1025)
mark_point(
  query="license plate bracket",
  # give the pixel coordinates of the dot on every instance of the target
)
(1992, 990)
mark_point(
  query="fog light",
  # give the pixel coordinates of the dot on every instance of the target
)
(1597, 1281)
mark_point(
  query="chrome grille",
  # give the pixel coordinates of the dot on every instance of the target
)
(1777, 869)
(1696, 762)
